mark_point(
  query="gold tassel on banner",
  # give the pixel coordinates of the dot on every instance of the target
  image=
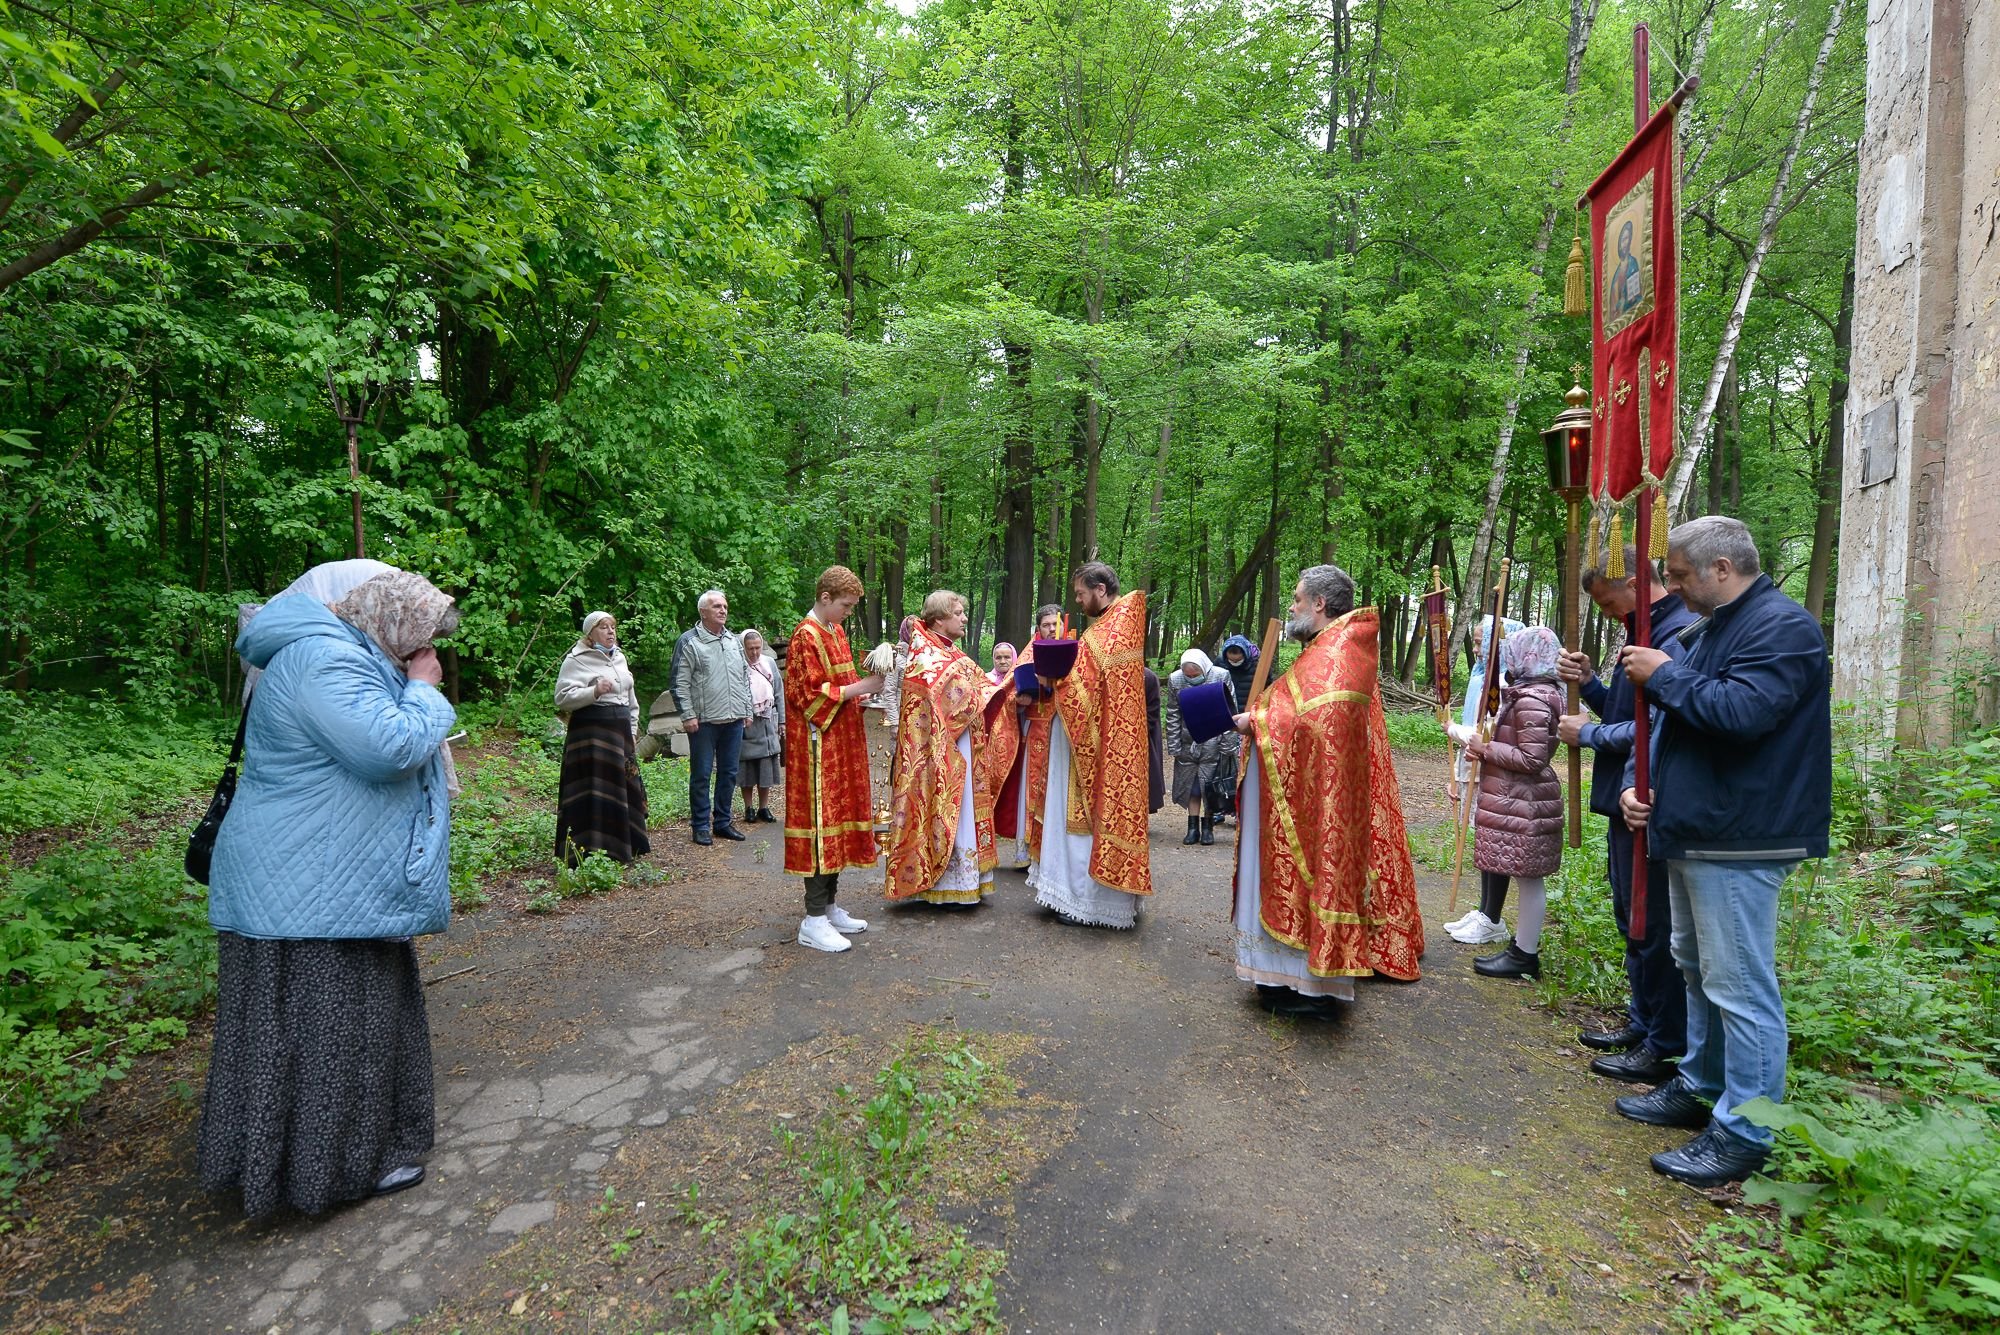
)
(1615, 556)
(1593, 553)
(1659, 534)
(1576, 285)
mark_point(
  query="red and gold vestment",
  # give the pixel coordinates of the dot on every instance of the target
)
(1336, 879)
(944, 697)
(1102, 704)
(829, 823)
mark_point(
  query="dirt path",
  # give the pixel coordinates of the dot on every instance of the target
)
(1436, 1160)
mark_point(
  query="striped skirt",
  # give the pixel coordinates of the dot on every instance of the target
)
(602, 805)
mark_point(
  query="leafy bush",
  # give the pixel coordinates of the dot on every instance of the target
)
(1417, 732)
(1887, 1173)
(68, 760)
(102, 951)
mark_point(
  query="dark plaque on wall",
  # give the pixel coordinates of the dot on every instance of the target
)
(1879, 444)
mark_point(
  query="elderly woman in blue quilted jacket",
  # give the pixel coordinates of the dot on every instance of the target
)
(333, 856)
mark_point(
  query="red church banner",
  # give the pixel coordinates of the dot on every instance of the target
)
(1635, 316)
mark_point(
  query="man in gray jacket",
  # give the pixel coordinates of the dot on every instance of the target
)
(712, 688)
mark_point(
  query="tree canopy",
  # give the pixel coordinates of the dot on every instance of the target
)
(629, 298)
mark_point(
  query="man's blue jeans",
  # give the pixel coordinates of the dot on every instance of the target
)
(1725, 939)
(712, 751)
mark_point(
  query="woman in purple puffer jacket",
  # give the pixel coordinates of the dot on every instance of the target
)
(1518, 824)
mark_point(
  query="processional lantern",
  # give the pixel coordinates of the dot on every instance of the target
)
(1567, 444)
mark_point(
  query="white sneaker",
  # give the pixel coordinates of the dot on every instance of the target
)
(1472, 929)
(1484, 932)
(819, 934)
(1461, 920)
(843, 921)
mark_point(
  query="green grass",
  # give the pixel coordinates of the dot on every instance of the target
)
(851, 1246)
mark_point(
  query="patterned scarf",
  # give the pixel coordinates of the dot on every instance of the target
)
(401, 612)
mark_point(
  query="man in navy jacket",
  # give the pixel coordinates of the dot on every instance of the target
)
(1742, 792)
(1645, 1048)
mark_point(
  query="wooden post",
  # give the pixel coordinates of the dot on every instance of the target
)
(1573, 640)
(1490, 689)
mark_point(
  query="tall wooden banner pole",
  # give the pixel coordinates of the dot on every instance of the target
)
(1489, 694)
(1573, 611)
(1642, 618)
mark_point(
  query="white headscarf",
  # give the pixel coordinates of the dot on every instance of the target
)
(333, 580)
(1196, 656)
(591, 620)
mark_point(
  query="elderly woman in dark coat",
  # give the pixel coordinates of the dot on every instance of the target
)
(760, 763)
(1197, 765)
(1518, 824)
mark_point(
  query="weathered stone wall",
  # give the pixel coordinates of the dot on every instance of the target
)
(1920, 522)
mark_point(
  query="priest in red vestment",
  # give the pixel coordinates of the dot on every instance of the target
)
(1325, 889)
(941, 813)
(1093, 865)
(829, 820)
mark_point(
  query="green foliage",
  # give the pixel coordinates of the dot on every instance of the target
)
(67, 761)
(854, 1237)
(102, 952)
(1888, 1171)
(1417, 732)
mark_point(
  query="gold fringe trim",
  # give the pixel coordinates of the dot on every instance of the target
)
(1576, 284)
(1657, 548)
(1615, 556)
(1593, 550)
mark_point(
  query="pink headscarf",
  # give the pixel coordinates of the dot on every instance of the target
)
(1531, 654)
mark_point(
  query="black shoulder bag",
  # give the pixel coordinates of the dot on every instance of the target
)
(201, 843)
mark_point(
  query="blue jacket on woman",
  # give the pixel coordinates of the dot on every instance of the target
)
(341, 822)
(1743, 759)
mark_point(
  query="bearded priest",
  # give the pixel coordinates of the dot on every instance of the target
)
(1325, 889)
(1093, 865)
(941, 812)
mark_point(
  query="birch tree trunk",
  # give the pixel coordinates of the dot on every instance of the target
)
(1582, 19)
(1681, 476)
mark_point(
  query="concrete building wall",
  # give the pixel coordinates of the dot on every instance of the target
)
(1920, 519)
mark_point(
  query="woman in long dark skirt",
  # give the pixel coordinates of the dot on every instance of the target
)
(334, 855)
(602, 801)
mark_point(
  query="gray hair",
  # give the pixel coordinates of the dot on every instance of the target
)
(701, 603)
(1712, 538)
(1330, 585)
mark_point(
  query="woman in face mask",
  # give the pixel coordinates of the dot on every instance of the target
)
(603, 802)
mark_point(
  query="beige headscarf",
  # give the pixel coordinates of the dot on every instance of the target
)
(402, 613)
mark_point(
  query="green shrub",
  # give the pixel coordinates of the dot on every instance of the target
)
(74, 761)
(102, 951)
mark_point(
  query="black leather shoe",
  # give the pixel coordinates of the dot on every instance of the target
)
(1672, 1104)
(399, 1179)
(764, 814)
(702, 837)
(1711, 1159)
(1194, 830)
(1640, 1066)
(1612, 1040)
(731, 832)
(1513, 962)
